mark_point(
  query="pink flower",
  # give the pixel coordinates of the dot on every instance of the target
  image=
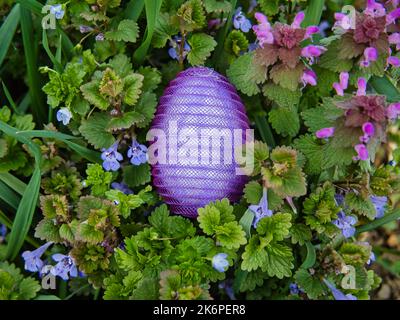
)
(362, 87)
(343, 84)
(325, 133)
(369, 130)
(342, 21)
(310, 52)
(298, 19)
(394, 38)
(263, 30)
(375, 9)
(370, 54)
(394, 61)
(393, 16)
(362, 152)
(310, 31)
(309, 77)
(393, 111)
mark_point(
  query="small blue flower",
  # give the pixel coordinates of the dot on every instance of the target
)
(294, 289)
(323, 27)
(339, 198)
(345, 223)
(121, 187)
(220, 263)
(227, 286)
(33, 263)
(137, 153)
(372, 258)
(174, 51)
(337, 294)
(57, 10)
(380, 205)
(65, 267)
(253, 46)
(3, 231)
(392, 163)
(261, 210)
(111, 158)
(64, 116)
(240, 21)
(100, 37)
(85, 29)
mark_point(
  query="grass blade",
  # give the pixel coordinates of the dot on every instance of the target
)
(153, 8)
(10, 99)
(24, 215)
(311, 256)
(395, 215)
(265, 131)
(8, 196)
(34, 82)
(86, 153)
(221, 36)
(313, 13)
(134, 9)
(13, 182)
(45, 42)
(382, 85)
(7, 31)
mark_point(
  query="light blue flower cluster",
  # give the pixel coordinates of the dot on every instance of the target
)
(65, 267)
(111, 157)
(220, 262)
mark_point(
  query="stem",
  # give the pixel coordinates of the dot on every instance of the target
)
(395, 215)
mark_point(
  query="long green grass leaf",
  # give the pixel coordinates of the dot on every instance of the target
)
(152, 11)
(9, 98)
(313, 13)
(382, 85)
(34, 83)
(395, 215)
(24, 215)
(311, 256)
(86, 153)
(13, 182)
(221, 36)
(45, 42)
(7, 31)
(265, 131)
(8, 196)
(134, 9)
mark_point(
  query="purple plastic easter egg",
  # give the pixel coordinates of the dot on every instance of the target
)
(197, 105)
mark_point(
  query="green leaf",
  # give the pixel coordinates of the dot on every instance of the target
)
(217, 6)
(312, 285)
(385, 87)
(330, 59)
(276, 226)
(253, 192)
(248, 281)
(127, 31)
(395, 215)
(147, 107)
(313, 13)
(286, 77)
(269, 7)
(360, 205)
(164, 30)
(275, 259)
(201, 46)
(300, 234)
(246, 222)
(89, 234)
(47, 230)
(285, 121)
(246, 75)
(98, 179)
(283, 97)
(291, 183)
(95, 131)
(136, 175)
(230, 235)
(132, 88)
(152, 78)
(127, 120)
(92, 94)
(3, 148)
